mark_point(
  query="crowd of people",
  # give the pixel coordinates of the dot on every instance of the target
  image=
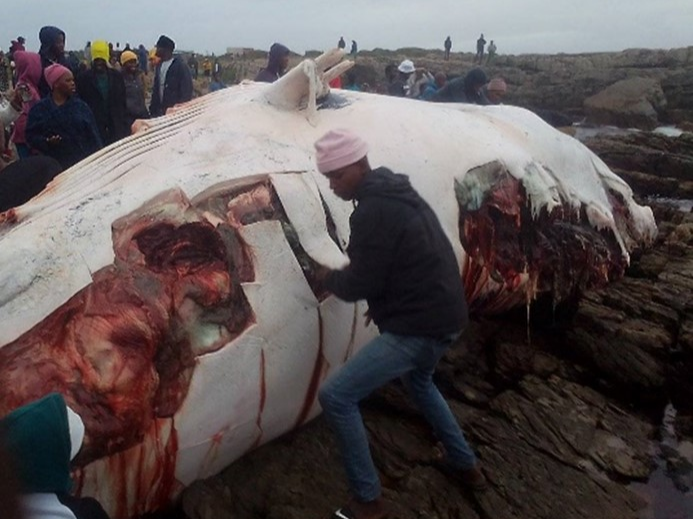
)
(407, 80)
(63, 108)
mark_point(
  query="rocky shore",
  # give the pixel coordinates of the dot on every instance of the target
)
(640, 88)
(565, 413)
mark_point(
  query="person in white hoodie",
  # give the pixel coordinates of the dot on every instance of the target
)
(41, 438)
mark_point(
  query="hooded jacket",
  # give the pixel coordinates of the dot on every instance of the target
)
(48, 36)
(42, 438)
(464, 89)
(273, 70)
(29, 72)
(401, 261)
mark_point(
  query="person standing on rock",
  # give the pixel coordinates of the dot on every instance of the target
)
(403, 265)
(491, 52)
(480, 44)
(448, 48)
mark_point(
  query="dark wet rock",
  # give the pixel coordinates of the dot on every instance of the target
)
(630, 103)
(651, 163)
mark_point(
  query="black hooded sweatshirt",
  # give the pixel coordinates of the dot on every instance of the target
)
(402, 262)
(48, 36)
(273, 71)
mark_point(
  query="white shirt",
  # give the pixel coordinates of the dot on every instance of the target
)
(165, 65)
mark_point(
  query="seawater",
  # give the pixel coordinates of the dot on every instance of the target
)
(586, 132)
(668, 492)
(682, 204)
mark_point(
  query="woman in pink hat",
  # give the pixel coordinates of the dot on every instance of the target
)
(61, 125)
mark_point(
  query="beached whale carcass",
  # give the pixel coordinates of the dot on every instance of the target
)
(164, 285)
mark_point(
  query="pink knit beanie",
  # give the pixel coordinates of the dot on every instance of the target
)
(337, 149)
(53, 73)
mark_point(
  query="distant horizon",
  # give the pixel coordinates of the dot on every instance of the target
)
(211, 26)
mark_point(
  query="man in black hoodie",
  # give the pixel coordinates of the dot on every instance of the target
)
(277, 63)
(403, 264)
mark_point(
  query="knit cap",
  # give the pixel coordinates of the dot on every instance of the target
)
(99, 49)
(339, 148)
(126, 56)
(53, 73)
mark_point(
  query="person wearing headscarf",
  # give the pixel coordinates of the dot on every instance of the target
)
(103, 89)
(277, 64)
(467, 89)
(135, 105)
(52, 51)
(172, 80)
(61, 125)
(41, 438)
(28, 68)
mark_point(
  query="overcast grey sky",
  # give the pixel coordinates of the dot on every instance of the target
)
(516, 26)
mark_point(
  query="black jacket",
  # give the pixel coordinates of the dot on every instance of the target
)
(177, 89)
(402, 262)
(109, 113)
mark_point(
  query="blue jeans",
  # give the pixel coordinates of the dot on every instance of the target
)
(383, 359)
